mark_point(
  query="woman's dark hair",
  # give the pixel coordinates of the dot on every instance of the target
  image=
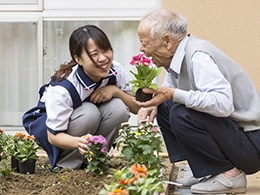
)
(77, 43)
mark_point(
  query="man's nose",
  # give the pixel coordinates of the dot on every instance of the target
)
(141, 48)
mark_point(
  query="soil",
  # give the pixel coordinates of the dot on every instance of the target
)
(65, 182)
(143, 97)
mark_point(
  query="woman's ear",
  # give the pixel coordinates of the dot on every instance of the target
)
(168, 40)
(77, 59)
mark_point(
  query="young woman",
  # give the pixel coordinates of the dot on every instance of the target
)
(105, 101)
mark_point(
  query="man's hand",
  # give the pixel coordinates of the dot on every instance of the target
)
(160, 95)
(147, 113)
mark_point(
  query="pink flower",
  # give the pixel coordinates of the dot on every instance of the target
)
(97, 139)
(146, 61)
(104, 150)
(154, 129)
(125, 124)
(143, 121)
(136, 59)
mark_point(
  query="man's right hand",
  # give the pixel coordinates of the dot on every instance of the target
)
(147, 113)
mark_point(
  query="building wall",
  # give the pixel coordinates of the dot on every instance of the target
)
(232, 25)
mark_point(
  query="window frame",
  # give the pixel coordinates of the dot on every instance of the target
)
(23, 7)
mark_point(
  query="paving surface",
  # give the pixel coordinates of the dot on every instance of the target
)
(253, 182)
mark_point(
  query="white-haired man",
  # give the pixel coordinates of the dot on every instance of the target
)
(208, 108)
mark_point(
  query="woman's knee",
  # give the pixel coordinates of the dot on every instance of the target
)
(116, 110)
(85, 119)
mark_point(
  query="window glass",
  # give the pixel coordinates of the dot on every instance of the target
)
(18, 67)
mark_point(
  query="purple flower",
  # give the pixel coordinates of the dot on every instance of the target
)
(104, 150)
(97, 139)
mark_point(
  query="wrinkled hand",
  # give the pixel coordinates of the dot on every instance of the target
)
(102, 94)
(160, 95)
(82, 144)
(147, 113)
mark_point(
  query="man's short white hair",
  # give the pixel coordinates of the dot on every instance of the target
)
(165, 21)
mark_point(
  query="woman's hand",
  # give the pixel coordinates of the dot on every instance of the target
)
(103, 94)
(82, 144)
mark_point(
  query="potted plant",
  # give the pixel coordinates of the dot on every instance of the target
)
(144, 77)
(12, 149)
(23, 151)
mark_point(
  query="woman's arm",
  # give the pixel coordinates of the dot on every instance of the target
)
(66, 141)
(107, 92)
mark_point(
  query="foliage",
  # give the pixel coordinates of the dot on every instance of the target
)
(133, 180)
(145, 73)
(142, 145)
(22, 147)
(2, 144)
(4, 167)
(97, 154)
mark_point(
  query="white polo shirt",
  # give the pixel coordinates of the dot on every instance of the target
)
(59, 105)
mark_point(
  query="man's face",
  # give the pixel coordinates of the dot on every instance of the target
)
(161, 55)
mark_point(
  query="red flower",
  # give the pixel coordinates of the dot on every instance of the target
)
(1, 131)
(132, 182)
(123, 182)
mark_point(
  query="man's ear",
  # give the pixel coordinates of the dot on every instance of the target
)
(168, 40)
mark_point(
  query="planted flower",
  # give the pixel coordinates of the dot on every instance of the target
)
(142, 145)
(133, 180)
(97, 154)
(144, 76)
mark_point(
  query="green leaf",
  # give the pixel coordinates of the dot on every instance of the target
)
(153, 86)
(135, 88)
(128, 153)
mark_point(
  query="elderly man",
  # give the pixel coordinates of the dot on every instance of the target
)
(208, 108)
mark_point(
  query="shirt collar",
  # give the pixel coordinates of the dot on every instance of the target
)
(86, 82)
(178, 56)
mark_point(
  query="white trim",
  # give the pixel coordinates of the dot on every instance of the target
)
(93, 14)
(25, 7)
(19, 16)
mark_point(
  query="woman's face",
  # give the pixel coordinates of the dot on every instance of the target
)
(103, 59)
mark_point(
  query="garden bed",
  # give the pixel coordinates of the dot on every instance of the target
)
(63, 183)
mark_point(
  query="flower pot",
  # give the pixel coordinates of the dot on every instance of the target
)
(15, 164)
(27, 166)
(143, 97)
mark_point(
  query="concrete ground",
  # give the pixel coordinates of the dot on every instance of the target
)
(253, 181)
